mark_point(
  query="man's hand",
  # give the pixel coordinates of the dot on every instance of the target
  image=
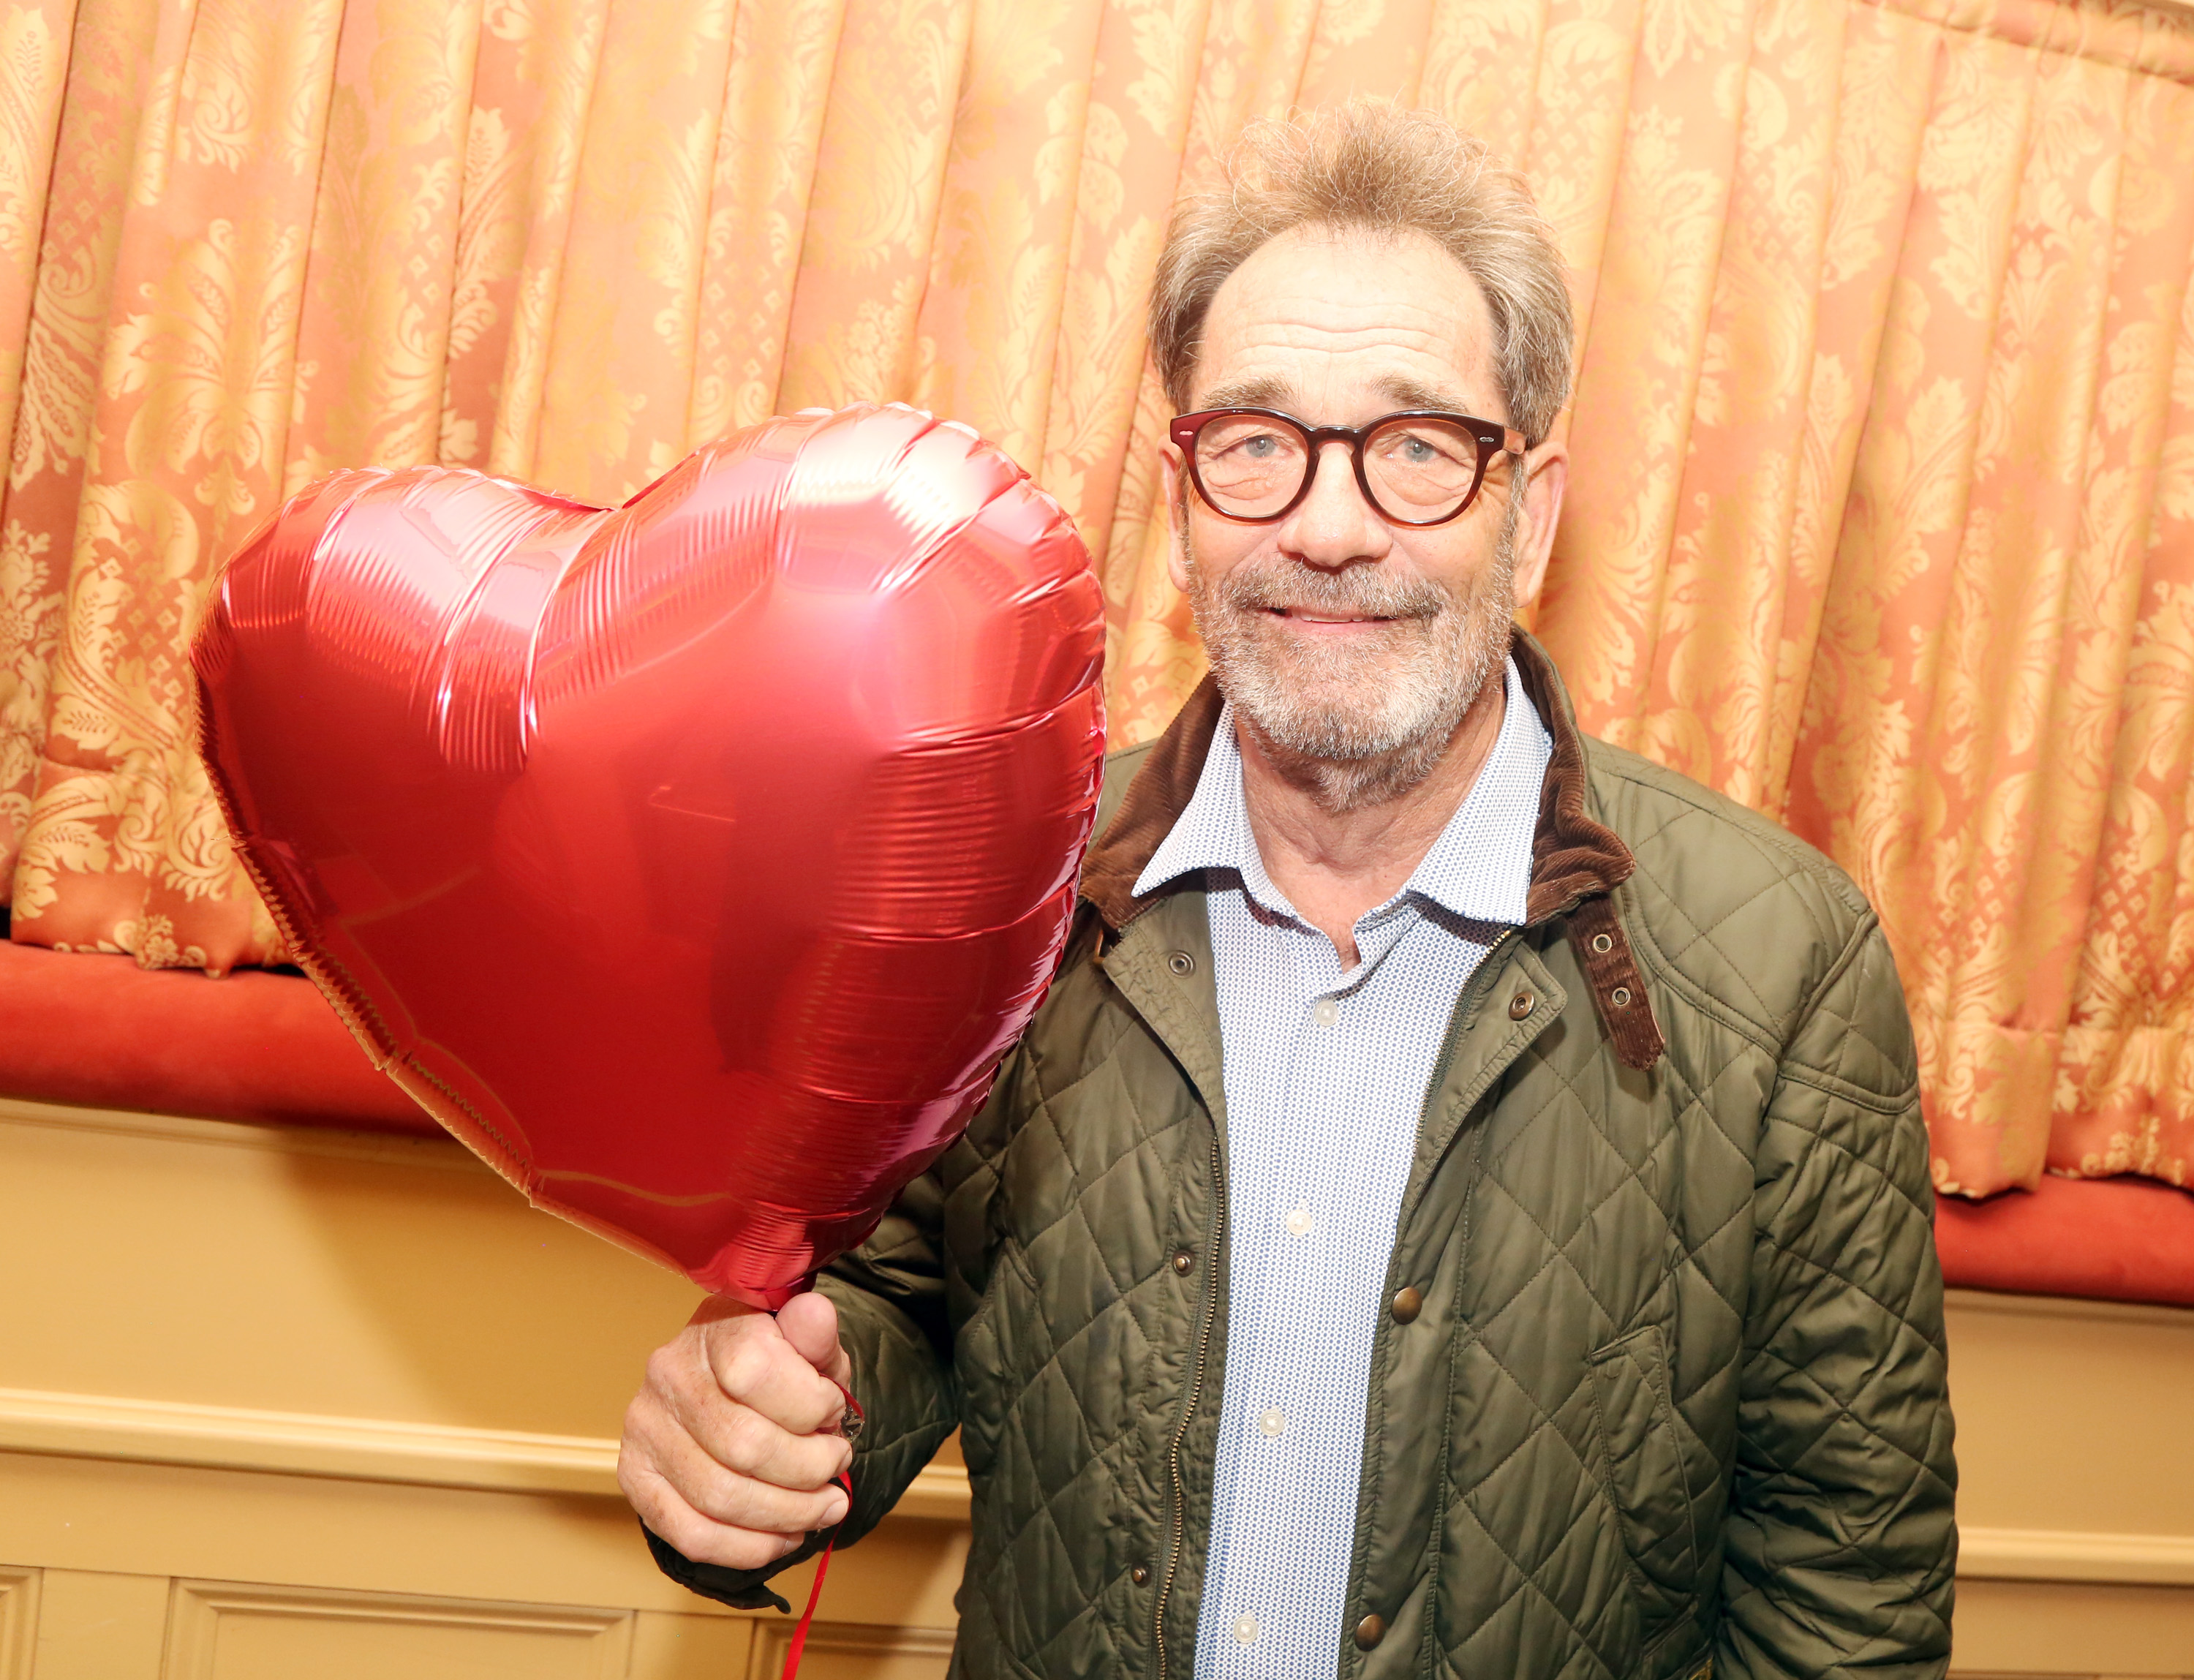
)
(733, 1443)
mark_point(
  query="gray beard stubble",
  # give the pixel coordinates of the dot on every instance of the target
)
(1341, 723)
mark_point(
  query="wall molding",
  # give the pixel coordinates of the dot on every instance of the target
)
(19, 1621)
(2069, 1306)
(379, 1449)
(330, 1617)
(365, 1449)
(2067, 1555)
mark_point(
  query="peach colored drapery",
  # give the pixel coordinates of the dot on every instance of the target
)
(1883, 508)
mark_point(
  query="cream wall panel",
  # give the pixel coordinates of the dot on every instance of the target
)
(99, 1625)
(666, 1646)
(2074, 1415)
(2032, 1628)
(221, 1632)
(838, 1651)
(19, 1621)
(287, 1269)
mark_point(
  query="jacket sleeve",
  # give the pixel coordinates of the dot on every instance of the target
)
(892, 1321)
(1840, 1545)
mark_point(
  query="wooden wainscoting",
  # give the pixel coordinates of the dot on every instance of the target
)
(278, 1403)
(2076, 1499)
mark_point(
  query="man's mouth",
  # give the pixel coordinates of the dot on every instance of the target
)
(1303, 615)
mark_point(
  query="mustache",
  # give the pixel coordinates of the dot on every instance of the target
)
(1275, 585)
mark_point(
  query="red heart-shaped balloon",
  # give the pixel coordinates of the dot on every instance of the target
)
(695, 861)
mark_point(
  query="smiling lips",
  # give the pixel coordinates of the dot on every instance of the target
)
(1302, 617)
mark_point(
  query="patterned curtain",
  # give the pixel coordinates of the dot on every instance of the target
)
(1883, 506)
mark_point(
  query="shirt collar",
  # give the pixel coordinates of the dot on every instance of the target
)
(1478, 869)
(1213, 830)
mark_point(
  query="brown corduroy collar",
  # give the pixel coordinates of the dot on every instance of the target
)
(1577, 862)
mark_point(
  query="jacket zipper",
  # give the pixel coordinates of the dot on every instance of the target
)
(1188, 1412)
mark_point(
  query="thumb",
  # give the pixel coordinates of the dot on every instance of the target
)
(810, 1323)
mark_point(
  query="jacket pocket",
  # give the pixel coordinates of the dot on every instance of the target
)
(981, 1361)
(1643, 1462)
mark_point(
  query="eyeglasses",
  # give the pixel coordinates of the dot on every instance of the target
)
(1419, 468)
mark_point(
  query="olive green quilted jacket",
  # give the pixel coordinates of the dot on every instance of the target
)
(1670, 1389)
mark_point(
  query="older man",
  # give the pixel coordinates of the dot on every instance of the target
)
(1462, 1209)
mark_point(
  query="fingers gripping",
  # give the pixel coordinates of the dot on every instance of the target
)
(809, 1325)
(757, 1363)
(732, 1446)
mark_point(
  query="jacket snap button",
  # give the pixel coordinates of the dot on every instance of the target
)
(1408, 1303)
(1182, 1261)
(1520, 1005)
(1181, 962)
(1602, 944)
(1370, 1631)
(1139, 1575)
(1620, 997)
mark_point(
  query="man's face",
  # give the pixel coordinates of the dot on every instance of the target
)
(1345, 639)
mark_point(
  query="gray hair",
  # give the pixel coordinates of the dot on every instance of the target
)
(1369, 165)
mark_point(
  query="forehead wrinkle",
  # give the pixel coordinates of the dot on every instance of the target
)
(1304, 322)
(1397, 326)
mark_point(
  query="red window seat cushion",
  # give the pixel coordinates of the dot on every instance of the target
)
(2108, 1239)
(101, 1031)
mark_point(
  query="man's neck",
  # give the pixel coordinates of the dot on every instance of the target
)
(1335, 865)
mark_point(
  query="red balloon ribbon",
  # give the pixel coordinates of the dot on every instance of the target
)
(792, 1652)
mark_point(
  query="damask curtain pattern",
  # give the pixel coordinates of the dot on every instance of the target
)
(1882, 516)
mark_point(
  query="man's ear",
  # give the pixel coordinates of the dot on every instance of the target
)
(1546, 476)
(1173, 506)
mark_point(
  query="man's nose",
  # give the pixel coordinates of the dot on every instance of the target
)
(1333, 525)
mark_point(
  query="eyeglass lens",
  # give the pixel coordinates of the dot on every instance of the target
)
(1252, 465)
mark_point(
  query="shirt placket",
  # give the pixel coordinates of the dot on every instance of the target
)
(1311, 1259)
(1267, 1521)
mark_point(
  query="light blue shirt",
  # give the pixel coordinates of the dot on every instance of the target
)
(1326, 1075)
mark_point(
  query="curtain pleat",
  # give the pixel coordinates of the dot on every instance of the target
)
(1882, 517)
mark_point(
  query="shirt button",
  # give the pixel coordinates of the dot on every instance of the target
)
(1274, 1422)
(1370, 1631)
(1183, 1261)
(1326, 1012)
(1245, 1629)
(1408, 1303)
(1520, 1005)
(1299, 1222)
(1140, 1575)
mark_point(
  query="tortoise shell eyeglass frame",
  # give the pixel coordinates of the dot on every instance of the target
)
(1492, 439)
